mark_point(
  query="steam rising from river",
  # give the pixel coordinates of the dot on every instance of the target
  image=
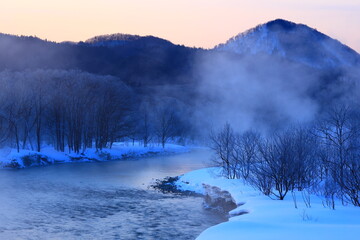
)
(259, 92)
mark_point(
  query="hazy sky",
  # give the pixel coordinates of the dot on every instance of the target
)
(201, 23)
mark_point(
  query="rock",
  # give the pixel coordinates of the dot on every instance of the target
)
(168, 185)
(217, 199)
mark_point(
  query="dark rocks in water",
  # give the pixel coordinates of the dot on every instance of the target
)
(35, 160)
(214, 198)
(217, 199)
(12, 164)
(167, 185)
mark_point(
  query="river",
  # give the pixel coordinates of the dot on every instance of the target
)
(106, 200)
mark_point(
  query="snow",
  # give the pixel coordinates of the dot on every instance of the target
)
(120, 150)
(254, 41)
(273, 219)
(323, 52)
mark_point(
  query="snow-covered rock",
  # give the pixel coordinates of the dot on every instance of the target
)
(215, 198)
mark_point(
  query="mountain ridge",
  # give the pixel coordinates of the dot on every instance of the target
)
(147, 60)
(115, 39)
(121, 39)
(297, 42)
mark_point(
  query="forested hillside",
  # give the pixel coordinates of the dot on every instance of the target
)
(112, 87)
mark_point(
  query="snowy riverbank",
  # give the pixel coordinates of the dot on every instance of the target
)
(10, 158)
(273, 219)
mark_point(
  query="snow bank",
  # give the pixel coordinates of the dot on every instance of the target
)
(10, 158)
(273, 219)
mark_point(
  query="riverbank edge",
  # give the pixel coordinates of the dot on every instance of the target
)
(258, 217)
(215, 199)
(27, 158)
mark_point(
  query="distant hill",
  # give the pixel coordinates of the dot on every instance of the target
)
(270, 75)
(138, 61)
(296, 42)
(148, 62)
(119, 39)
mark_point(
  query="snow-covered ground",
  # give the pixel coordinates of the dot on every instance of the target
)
(10, 158)
(273, 219)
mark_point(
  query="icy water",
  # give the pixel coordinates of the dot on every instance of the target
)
(108, 200)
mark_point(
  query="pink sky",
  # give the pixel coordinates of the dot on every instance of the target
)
(200, 23)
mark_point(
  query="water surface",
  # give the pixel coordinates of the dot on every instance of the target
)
(107, 200)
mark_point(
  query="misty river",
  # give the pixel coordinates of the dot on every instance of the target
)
(107, 200)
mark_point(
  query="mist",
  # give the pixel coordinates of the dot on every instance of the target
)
(264, 92)
(200, 89)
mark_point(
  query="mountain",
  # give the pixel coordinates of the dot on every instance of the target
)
(138, 61)
(119, 39)
(273, 68)
(150, 61)
(296, 42)
(112, 39)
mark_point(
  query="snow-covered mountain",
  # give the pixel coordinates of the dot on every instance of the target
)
(296, 42)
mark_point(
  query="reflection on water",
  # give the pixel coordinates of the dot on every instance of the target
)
(101, 201)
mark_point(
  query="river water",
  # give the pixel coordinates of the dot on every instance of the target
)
(107, 200)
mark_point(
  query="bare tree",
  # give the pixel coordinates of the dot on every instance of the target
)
(223, 144)
(339, 132)
(246, 152)
(287, 161)
(145, 125)
(165, 124)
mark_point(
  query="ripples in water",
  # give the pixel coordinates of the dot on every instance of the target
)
(58, 211)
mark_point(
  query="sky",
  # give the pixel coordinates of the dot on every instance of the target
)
(199, 23)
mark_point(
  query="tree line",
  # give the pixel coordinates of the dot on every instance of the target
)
(73, 110)
(321, 158)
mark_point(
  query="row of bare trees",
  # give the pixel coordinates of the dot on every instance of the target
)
(66, 109)
(161, 120)
(73, 110)
(323, 158)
